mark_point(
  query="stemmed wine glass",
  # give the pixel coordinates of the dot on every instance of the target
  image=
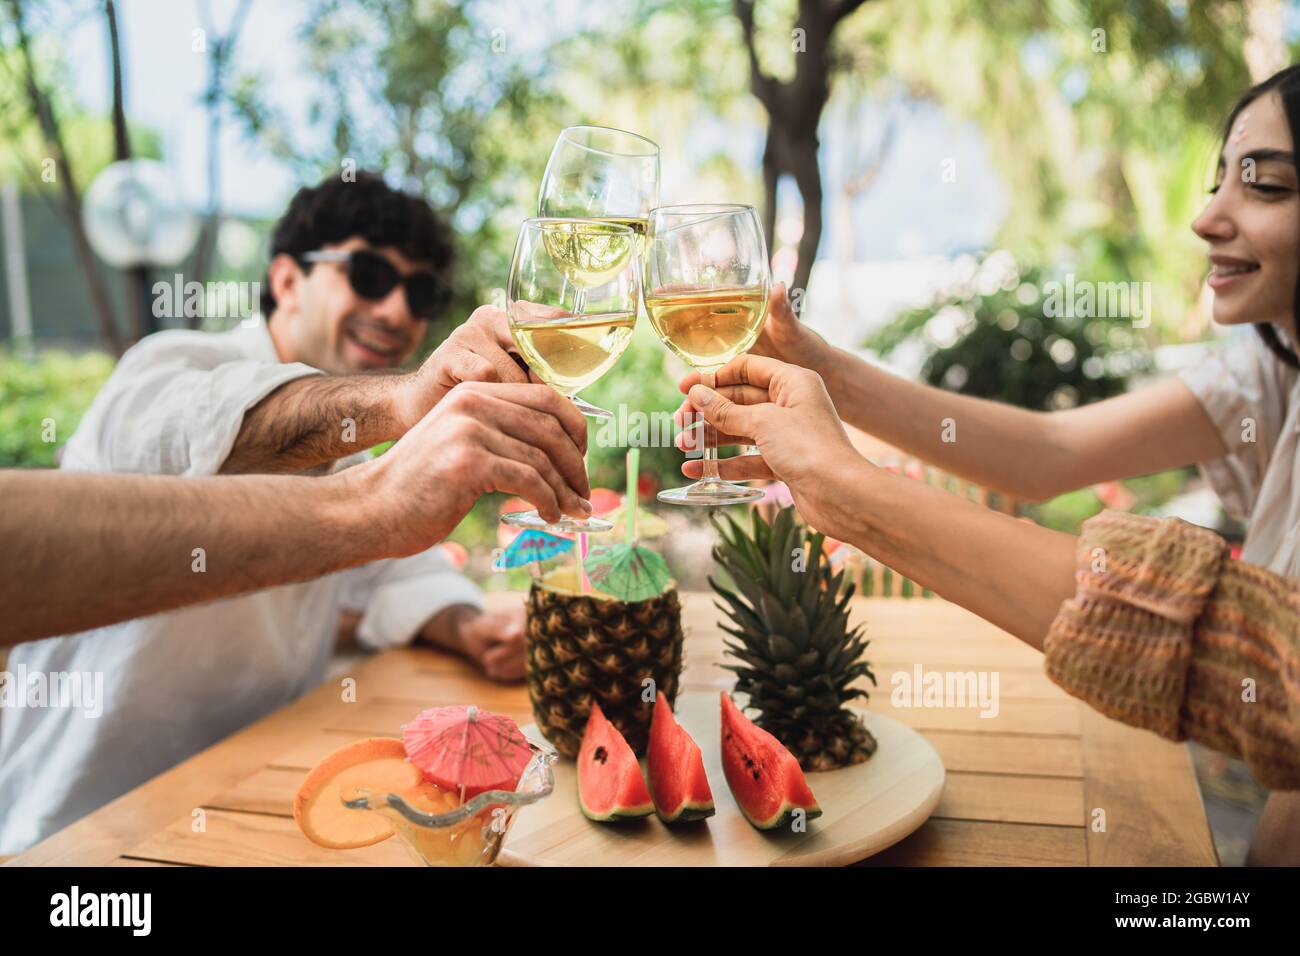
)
(706, 285)
(572, 301)
(603, 174)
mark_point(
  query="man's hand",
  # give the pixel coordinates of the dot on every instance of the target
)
(480, 350)
(492, 640)
(300, 425)
(525, 440)
(786, 412)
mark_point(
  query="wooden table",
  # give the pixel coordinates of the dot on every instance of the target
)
(1022, 787)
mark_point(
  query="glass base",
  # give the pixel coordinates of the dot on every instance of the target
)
(710, 492)
(534, 522)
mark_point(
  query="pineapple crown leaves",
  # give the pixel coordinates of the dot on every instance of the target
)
(790, 626)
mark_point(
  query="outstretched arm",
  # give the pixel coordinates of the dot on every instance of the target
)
(1031, 455)
(85, 551)
(1146, 620)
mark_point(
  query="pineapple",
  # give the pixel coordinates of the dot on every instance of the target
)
(798, 659)
(593, 648)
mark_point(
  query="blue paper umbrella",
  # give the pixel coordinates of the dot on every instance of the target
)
(530, 546)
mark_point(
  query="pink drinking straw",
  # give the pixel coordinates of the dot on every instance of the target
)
(630, 503)
(584, 583)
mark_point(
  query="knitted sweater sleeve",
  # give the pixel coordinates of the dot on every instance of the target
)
(1168, 633)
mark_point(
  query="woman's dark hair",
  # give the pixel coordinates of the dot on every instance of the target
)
(1287, 84)
(336, 209)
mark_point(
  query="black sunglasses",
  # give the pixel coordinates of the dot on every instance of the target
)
(373, 277)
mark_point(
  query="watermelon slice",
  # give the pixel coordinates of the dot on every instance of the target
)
(676, 769)
(610, 786)
(764, 777)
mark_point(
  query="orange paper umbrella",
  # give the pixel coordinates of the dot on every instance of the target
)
(464, 749)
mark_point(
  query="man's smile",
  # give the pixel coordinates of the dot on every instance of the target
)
(375, 345)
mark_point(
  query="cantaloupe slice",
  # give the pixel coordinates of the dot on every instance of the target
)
(377, 764)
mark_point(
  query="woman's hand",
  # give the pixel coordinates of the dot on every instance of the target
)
(785, 411)
(939, 540)
(787, 339)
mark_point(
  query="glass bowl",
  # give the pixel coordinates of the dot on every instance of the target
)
(473, 833)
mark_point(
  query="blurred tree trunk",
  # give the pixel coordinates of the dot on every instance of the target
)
(794, 108)
(220, 51)
(141, 315)
(42, 110)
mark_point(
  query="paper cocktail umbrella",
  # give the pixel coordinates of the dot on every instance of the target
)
(466, 749)
(531, 546)
(628, 571)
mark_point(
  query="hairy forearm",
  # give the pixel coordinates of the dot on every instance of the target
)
(311, 421)
(84, 551)
(1005, 448)
(1010, 572)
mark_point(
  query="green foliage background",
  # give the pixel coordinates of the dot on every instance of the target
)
(1008, 349)
(54, 386)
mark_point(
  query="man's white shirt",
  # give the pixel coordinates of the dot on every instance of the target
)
(178, 682)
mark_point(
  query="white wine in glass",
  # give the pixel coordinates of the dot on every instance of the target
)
(708, 329)
(706, 286)
(602, 174)
(590, 252)
(572, 300)
(569, 355)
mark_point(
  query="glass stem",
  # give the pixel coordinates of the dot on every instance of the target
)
(709, 380)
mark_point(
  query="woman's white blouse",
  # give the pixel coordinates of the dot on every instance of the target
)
(1254, 401)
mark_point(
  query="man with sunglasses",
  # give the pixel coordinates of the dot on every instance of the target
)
(358, 271)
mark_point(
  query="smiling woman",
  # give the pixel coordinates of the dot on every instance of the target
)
(1252, 224)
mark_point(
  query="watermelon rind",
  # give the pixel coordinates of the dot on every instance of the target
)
(688, 812)
(616, 814)
(783, 818)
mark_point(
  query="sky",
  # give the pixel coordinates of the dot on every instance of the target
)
(903, 215)
(164, 78)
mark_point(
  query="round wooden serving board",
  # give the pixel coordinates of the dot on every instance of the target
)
(865, 808)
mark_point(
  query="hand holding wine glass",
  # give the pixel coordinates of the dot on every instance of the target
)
(786, 412)
(572, 299)
(706, 287)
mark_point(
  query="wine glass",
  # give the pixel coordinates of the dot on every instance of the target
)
(599, 173)
(706, 284)
(569, 341)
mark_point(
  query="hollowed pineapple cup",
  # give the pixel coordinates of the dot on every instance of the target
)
(473, 833)
(586, 649)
